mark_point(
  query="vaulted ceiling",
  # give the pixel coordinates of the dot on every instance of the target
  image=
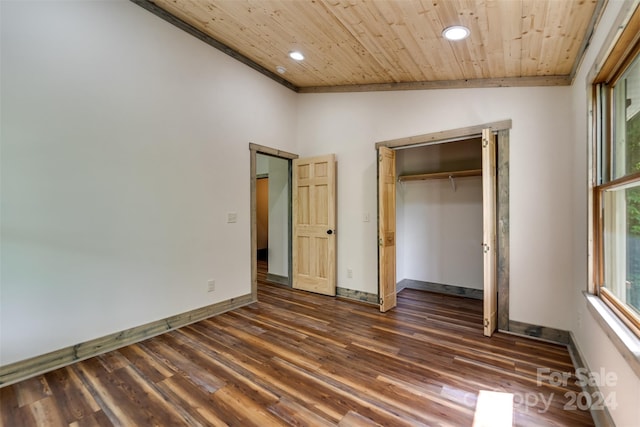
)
(356, 45)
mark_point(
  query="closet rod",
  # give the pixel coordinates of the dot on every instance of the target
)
(440, 175)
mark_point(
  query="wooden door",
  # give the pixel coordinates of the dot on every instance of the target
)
(314, 224)
(387, 228)
(489, 244)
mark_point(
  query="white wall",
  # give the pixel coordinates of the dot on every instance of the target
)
(124, 145)
(440, 228)
(262, 164)
(443, 232)
(598, 350)
(349, 124)
(279, 216)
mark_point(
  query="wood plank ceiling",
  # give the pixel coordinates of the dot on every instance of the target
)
(394, 44)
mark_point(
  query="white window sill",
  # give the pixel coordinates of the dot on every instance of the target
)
(624, 340)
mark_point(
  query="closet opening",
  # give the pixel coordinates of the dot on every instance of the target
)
(439, 218)
(443, 217)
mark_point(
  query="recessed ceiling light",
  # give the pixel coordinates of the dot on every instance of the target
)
(280, 69)
(296, 55)
(457, 32)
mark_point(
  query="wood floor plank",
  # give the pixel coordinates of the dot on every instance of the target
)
(248, 412)
(357, 394)
(149, 400)
(74, 400)
(207, 360)
(148, 364)
(353, 419)
(120, 400)
(199, 405)
(295, 414)
(32, 390)
(297, 358)
(97, 419)
(268, 375)
(181, 364)
(47, 413)
(11, 413)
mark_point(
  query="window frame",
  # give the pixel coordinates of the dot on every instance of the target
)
(616, 65)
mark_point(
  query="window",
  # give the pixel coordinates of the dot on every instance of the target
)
(617, 188)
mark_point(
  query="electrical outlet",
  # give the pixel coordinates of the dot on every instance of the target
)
(211, 285)
(349, 273)
(232, 217)
(365, 217)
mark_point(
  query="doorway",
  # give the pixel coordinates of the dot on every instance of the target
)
(493, 249)
(270, 178)
(301, 237)
(273, 203)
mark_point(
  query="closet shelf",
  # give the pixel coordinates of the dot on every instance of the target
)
(440, 175)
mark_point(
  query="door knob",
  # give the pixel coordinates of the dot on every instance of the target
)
(329, 231)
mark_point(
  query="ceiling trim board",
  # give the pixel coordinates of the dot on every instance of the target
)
(445, 84)
(586, 41)
(161, 13)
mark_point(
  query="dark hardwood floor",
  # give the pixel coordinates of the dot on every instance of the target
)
(296, 358)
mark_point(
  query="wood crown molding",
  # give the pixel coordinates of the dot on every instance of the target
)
(161, 13)
(444, 84)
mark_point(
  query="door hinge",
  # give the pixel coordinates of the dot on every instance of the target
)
(486, 323)
(379, 157)
(380, 241)
(485, 142)
(485, 248)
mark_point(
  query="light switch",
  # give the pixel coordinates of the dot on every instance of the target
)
(232, 217)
